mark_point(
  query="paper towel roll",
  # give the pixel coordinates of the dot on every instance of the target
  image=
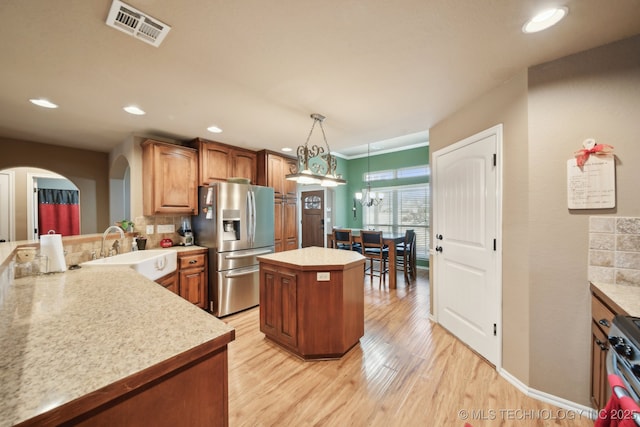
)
(51, 247)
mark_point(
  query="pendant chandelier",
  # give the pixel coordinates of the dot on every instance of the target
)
(369, 198)
(323, 173)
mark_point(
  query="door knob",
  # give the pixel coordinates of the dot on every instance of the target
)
(439, 249)
(439, 236)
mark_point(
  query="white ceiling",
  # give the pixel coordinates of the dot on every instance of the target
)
(377, 69)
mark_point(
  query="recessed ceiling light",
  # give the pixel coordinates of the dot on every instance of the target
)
(214, 129)
(544, 20)
(287, 149)
(132, 109)
(43, 103)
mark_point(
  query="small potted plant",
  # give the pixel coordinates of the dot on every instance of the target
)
(126, 225)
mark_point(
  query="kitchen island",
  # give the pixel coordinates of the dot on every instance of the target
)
(312, 301)
(106, 346)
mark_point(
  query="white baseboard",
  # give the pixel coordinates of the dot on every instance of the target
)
(581, 410)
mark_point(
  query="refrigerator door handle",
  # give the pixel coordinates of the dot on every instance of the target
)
(252, 224)
(249, 254)
(242, 273)
(249, 218)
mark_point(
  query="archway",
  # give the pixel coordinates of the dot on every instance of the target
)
(120, 190)
(19, 194)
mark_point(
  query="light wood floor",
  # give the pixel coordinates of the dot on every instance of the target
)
(406, 371)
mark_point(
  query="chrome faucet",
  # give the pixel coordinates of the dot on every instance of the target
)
(104, 236)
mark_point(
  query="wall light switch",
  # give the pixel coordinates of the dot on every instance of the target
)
(149, 229)
(166, 228)
(323, 277)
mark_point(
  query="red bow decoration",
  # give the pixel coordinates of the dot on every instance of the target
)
(583, 155)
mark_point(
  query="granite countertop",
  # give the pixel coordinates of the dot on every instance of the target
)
(192, 248)
(315, 257)
(625, 296)
(64, 335)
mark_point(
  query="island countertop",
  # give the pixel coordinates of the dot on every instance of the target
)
(65, 335)
(313, 258)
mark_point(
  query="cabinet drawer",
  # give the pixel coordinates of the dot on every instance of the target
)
(191, 261)
(602, 315)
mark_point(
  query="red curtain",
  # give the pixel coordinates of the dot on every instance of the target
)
(58, 210)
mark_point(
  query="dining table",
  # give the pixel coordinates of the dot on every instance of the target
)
(390, 239)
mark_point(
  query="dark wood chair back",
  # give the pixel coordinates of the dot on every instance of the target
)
(342, 239)
(374, 249)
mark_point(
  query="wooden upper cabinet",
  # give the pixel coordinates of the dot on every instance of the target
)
(214, 163)
(218, 162)
(169, 178)
(272, 170)
(243, 164)
(290, 187)
(275, 174)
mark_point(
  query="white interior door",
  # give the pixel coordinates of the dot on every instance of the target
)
(467, 288)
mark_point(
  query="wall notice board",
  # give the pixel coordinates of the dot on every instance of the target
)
(592, 186)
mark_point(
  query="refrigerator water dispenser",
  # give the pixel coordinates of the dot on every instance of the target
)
(230, 229)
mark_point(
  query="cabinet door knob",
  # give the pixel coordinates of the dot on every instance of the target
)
(193, 261)
(602, 345)
(604, 322)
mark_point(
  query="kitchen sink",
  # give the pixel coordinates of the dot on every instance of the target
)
(153, 264)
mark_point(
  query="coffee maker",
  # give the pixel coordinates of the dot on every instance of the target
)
(186, 235)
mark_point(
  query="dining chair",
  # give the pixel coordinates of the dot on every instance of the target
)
(374, 249)
(342, 239)
(406, 254)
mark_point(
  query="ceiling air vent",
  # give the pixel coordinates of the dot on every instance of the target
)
(135, 23)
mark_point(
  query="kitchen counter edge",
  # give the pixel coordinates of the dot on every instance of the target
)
(622, 298)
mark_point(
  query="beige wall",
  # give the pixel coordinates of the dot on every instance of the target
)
(547, 113)
(593, 94)
(131, 151)
(507, 105)
(88, 170)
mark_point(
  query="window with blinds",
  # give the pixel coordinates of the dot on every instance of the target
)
(404, 207)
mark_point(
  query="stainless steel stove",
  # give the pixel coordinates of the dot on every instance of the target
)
(623, 359)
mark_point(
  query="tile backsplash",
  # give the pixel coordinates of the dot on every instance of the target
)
(153, 240)
(78, 249)
(614, 250)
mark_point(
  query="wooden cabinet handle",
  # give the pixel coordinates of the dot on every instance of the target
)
(605, 323)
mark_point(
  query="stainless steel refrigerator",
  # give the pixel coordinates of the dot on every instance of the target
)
(235, 221)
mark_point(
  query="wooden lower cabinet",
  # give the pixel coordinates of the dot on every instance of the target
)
(192, 272)
(602, 313)
(170, 282)
(290, 224)
(286, 224)
(599, 382)
(278, 305)
(309, 315)
(189, 389)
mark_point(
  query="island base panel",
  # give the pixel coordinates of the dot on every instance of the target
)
(195, 395)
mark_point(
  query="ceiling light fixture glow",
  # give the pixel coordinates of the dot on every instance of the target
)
(544, 20)
(214, 129)
(132, 109)
(40, 102)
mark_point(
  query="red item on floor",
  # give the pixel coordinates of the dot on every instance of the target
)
(618, 411)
